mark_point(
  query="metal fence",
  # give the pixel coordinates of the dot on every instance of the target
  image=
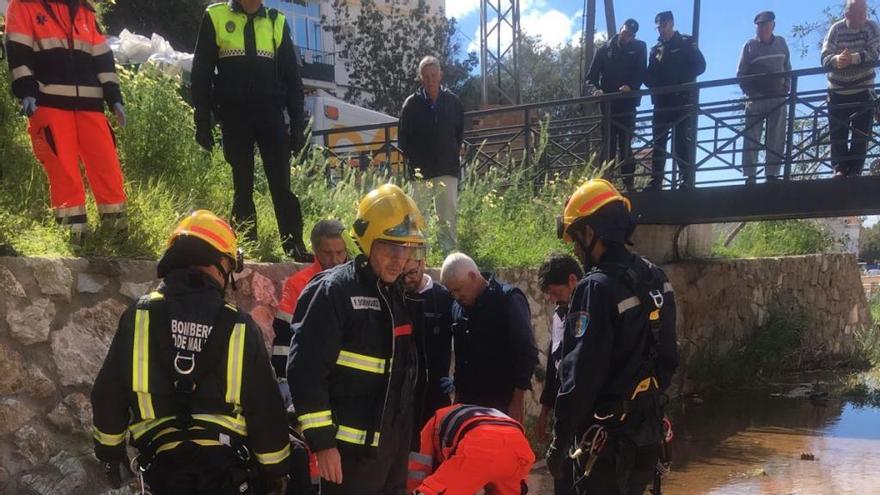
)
(557, 136)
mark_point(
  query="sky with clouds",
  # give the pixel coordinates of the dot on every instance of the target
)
(725, 24)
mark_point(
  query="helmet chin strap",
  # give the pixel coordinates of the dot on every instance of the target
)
(227, 276)
(587, 260)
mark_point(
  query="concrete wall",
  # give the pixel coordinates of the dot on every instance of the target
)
(57, 317)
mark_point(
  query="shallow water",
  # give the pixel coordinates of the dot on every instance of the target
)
(753, 442)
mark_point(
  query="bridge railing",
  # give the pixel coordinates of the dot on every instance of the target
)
(557, 136)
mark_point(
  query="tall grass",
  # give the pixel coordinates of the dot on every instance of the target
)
(777, 238)
(505, 220)
(770, 350)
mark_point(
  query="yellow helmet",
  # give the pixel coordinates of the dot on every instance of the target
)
(387, 213)
(586, 201)
(213, 231)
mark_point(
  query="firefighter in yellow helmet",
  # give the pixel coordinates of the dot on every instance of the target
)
(187, 380)
(353, 362)
(619, 353)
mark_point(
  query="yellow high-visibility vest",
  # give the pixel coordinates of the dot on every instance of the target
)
(229, 31)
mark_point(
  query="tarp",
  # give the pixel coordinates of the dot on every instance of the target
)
(134, 49)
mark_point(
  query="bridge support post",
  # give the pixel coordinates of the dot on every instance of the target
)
(669, 243)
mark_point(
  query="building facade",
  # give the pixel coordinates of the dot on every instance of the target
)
(323, 61)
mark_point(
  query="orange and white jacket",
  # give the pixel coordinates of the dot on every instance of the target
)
(58, 55)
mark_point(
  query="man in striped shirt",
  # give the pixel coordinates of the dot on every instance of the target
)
(849, 51)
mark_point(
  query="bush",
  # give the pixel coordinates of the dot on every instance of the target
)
(771, 349)
(504, 220)
(777, 238)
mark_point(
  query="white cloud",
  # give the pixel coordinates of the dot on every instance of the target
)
(461, 8)
(552, 25)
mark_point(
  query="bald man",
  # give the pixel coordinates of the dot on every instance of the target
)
(495, 352)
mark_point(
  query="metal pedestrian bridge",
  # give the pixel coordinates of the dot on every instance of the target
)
(554, 138)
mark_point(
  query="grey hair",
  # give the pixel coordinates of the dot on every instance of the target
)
(850, 3)
(429, 60)
(456, 266)
(326, 228)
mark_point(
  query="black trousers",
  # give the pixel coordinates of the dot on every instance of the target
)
(673, 118)
(621, 469)
(850, 123)
(264, 127)
(565, 486)
(384, 473)
(193, 470)
(623, 122)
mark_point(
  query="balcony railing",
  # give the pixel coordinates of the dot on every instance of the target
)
(317, 65)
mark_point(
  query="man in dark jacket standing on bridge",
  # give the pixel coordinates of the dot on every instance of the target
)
(619, 66)
(430, 134)
(849, 52)
(675, 59)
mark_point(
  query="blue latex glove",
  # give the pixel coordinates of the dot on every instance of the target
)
(29, 105)
(285, 394)
(447, 385)
(119, 110)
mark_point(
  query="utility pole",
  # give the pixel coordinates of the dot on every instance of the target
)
(609, 18)
(695, 119)
(499, 52)
(588, 42)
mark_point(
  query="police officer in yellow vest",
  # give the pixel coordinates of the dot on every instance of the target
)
(245, 75)
(187, 379)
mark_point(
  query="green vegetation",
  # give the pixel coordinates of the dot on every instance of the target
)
(504, 220)
(875, 309)
(773, 348)
(776, 238)
(869, 244)
(869, 340)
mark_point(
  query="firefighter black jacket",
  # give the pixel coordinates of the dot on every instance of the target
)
(607, 338)
(236, 398)
(353, 359)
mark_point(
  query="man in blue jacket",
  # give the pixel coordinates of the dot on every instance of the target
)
(674, 60)
(619, 67)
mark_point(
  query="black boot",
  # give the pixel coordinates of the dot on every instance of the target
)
(297, 250)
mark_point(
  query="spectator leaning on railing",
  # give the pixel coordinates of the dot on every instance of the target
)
(619, 66)
(764, 54)
(850, 50)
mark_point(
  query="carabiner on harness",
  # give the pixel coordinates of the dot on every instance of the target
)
(657, 297)
(591, 445)
(192, 363)
(243, 453)
(139, 474)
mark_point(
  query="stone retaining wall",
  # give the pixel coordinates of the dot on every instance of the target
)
(58, 316)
